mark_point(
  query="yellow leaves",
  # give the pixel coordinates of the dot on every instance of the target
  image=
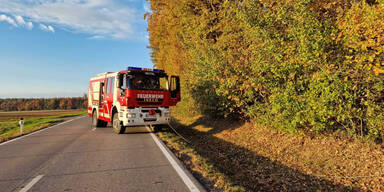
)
(364, 47)
(377, 70)
(371, 58)
(315, 75)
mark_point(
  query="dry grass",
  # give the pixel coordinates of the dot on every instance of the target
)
(242, 156)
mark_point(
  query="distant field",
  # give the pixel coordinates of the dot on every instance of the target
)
(33, 121)
(29, 114)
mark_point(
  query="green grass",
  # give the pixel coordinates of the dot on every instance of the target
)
(10, 128)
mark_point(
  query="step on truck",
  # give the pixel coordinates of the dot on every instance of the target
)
(132, 97)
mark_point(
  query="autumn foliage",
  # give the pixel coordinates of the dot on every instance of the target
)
(28, 104)
(310, 65)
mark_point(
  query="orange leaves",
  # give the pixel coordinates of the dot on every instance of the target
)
(378, 70)
(339, 36)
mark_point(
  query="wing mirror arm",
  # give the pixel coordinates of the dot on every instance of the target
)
(122, 92)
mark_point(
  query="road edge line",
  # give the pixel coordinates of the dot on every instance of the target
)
(180, 171)
(30, 184)
(41, 130)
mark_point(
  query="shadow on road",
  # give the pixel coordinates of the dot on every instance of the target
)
(130, 130)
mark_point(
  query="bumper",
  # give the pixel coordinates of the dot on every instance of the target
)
(142, 118)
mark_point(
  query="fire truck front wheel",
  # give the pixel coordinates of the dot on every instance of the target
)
(158, 128)
(117, 126)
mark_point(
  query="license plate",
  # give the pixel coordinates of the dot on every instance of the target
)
(148, 115)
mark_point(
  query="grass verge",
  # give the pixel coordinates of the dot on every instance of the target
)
(227, 155)
(10, 129)
(202, 168)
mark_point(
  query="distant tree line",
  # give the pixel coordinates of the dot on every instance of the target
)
(27, 104)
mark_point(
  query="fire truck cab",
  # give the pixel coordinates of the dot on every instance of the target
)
(132, 97)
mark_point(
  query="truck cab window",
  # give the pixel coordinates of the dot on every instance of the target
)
(107, 87)
(123, 81)
(112, 84)
(147, 82)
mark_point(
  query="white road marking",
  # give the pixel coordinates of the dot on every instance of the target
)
(188, 182)
(94, 129)
(41, 130)
(30, 184)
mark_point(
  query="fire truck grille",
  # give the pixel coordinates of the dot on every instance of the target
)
(147, 110)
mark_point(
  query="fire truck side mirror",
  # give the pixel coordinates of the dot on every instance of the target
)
(102, 87)
(119, 81)
(175, 87)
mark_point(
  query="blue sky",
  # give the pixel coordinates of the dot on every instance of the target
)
(50, 48)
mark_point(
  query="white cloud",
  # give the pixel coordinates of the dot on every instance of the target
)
(17, 22)
(47, 28)
(29, 25)
(8, 19)
(21, 22)
(99, 18)
(97, 37)
(50, 28)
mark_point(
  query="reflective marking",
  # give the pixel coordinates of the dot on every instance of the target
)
(188, 182)
(30, 184)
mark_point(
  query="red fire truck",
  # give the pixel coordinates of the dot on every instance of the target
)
(132, 97)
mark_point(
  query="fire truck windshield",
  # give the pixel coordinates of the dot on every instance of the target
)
(151, 81)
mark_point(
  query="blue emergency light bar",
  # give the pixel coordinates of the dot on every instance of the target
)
(145, 69)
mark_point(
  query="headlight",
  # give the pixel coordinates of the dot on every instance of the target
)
(131, 115)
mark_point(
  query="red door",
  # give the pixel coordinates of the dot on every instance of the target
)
(108, 98)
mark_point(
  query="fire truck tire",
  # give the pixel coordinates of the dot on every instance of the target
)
(95, 121)
(157, 128)
(103, 124)
(116, 124)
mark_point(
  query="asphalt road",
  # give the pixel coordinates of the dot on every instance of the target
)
(76, 157)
